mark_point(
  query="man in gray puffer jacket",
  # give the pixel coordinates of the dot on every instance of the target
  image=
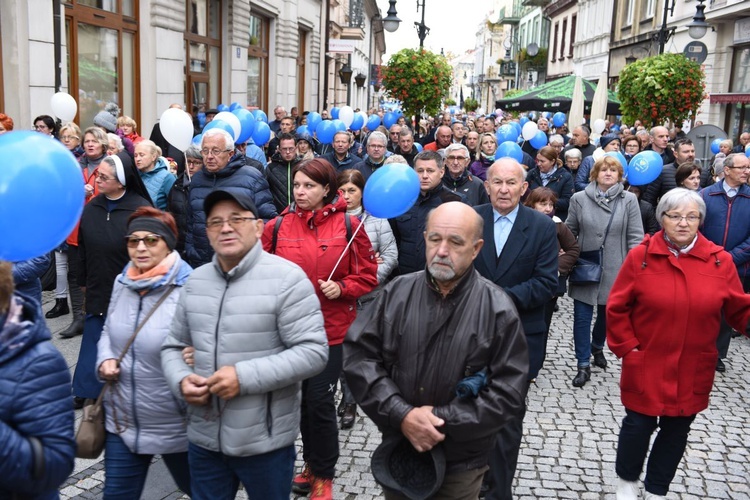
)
(257, 331)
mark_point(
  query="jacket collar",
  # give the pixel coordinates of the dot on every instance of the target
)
(703, 249)
(464, 283)
(314, 218)
(246, 264)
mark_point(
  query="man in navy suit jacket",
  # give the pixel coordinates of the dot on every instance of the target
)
(520, 255)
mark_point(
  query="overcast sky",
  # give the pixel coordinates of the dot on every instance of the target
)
(453, 24)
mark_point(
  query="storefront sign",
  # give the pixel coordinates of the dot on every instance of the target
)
(729, 98)
(339, 46)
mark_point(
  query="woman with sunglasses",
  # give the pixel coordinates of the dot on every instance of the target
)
(102, 254)
(143, 419)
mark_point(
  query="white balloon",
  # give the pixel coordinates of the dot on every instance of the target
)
(364, 117)
(529, 130)
(177, 128)
(599, 126)
(346, 115)
(232, 120)
(64, 106)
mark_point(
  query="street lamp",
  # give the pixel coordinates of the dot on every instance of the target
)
(696, 29)
(345, 73)
(391, 21)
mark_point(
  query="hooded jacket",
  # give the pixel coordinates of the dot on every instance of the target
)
(158, 182)
(314, 240)
(262, 318)
(34, 402)
(663, 317)
(235, 175)
(140, 403)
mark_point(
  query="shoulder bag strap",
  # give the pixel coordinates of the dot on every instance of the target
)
(614, 209)
(148, 316)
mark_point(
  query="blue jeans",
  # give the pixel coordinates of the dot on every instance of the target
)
(85, 383)
(583, 337)
(217, 476)
(666, 453)
(125, 472)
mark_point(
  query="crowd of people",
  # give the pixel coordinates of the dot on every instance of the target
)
(239, 284)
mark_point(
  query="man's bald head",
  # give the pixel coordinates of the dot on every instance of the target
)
(460, 212)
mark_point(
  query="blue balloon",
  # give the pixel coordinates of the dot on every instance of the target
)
(260, 115)
(220, 124)
(644, 167)
(391, 191)
(539, 140)
(747, 152)
(41, 192)
(715, 145)
(340, 127)
(261, 134)
(223, 107)
(509, 149)
(418, 146)
(247, 124)
(303, 129)
(235, 105)
(373, 122)
(197, 140)
(558, 119)
(325, 131)
(619, 157)
(614, 128)
(334, 113)
(357, 123)
(389, 119)
(313, 119)
(524, 120)
(506, 133)
(517, 127)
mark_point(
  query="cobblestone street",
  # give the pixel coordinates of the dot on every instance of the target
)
(570, 435)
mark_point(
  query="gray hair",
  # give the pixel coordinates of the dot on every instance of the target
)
(395, 159)
(729, 160)
(377, 135)
(349, 136)
(677, 198)
(116, 138)
(456, 147)
(573, 153)
(556, 138)
(193, 152)
(405, 132)
(228, 139)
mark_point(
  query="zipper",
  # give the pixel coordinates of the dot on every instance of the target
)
(216, 354)
(269, 416)
(726, 224)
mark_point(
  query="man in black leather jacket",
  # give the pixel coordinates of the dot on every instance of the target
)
(427, 331)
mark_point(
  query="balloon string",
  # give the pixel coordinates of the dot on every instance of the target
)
(361, 223)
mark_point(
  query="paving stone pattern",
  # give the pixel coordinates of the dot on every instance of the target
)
(570, 437)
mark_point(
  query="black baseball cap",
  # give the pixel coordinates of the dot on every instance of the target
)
(237, 196)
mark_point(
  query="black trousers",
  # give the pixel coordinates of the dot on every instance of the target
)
(319, 423)
(504, 458)
(666, 453)
(76, 294)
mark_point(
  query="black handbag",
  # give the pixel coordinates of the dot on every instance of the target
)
(588, 268)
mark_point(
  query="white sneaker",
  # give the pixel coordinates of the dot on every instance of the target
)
(651, 496)
(627, 490)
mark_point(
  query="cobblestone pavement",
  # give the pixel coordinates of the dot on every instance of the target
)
(570, 436)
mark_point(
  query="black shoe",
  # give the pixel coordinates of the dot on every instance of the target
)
(583, 376)
(720, 367)
(340, 409)
(349, 417)
(60, 309)
(75, 328)
(78, 402)
(599, 359)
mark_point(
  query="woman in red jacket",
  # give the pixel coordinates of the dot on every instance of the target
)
(312, 232)
(663, 318)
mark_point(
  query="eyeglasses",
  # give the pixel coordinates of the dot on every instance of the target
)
(102, 177)
(740, 168)
(212, 152)
(691, 219)
(150, 240)
(69, 137)
(195, 162)
(234, 222)
(457, 158)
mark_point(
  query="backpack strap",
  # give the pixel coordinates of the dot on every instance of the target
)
(275, 237)
(348, 223)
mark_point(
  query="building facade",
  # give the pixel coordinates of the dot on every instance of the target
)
(563, 16)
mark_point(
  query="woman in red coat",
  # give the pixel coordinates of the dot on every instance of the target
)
(663, 316)
(312, 233)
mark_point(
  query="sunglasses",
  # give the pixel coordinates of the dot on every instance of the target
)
(150, 240)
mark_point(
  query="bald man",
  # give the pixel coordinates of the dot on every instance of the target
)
(519, 256)
(443, 139)
(660, 144)
(406, 353)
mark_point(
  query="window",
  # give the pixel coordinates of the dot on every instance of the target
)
(554, 42)
(257, 62)
(573, 21)
(562, 42)
(301, 57)
(203, 54)
(101, 56)
(628, 6)
(650, 7)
